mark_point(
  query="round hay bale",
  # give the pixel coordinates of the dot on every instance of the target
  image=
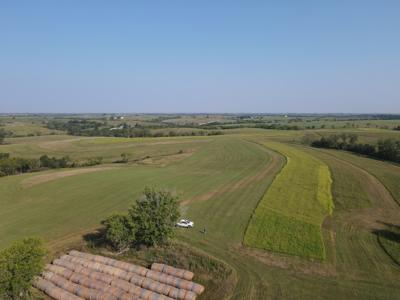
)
(188, 275)
(168, 279)
(157, 267)
(197, 288)
(173, 293)
(121, 284)
(181, 294)
(186, 285)
(190, 296)
(135, 290)
(147, 283)
(165, 289)
(137, 280)
(145, 294)
(83, 292)
(155, 287)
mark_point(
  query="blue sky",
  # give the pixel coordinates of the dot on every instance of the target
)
(200, 56)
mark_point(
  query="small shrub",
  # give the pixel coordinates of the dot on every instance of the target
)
(119, 231)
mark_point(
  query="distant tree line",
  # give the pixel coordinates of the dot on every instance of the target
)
(17, 165)
(3, 135)
(83, 127)
(386, 149)
(278, 126)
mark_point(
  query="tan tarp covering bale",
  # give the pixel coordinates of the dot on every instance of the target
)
(111, 262)
(184, 274)
(162, 277)
(85, 281)
(146, 283)
(79, 290)
(116, 283)
(53, 291)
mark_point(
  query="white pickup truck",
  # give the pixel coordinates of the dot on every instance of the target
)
(185, 224)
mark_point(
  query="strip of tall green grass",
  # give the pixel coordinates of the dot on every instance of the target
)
(288, 219)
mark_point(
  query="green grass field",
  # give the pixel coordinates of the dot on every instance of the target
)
(81, 201)
(387, 172)
(222, 181)
(289, 217)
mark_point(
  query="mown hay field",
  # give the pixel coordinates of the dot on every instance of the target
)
(220, 184)
(288, 219)
(70, 204)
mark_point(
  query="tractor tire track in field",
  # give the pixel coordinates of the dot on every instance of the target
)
(245, 182)
(43, 178)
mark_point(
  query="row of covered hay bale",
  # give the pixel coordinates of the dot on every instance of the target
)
(156, 275)
(52, 290)
(181, 273)
(83, 291)
(66, 268)
(76, 263)
(90, 283)
(120, 291)
(111, 262)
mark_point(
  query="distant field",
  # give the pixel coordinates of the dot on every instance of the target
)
(288, 219)
(27, 129)
(110, 149)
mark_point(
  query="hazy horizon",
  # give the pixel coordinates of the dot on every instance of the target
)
(206, 57)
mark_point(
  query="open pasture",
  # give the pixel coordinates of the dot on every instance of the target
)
(75, 203)
(288, 219)
(220, 184)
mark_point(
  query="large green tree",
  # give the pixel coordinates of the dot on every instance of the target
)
(18, 265)
(154, 215)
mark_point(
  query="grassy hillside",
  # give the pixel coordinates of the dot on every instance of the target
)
(289, 217)
(220, 180)
(53, 208)
(82, 148)
(388, 173)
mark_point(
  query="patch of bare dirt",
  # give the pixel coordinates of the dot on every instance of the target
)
(165, 160)
(42, 178)
(287, 262)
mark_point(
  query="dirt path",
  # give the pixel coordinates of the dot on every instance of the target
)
(42, 178)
